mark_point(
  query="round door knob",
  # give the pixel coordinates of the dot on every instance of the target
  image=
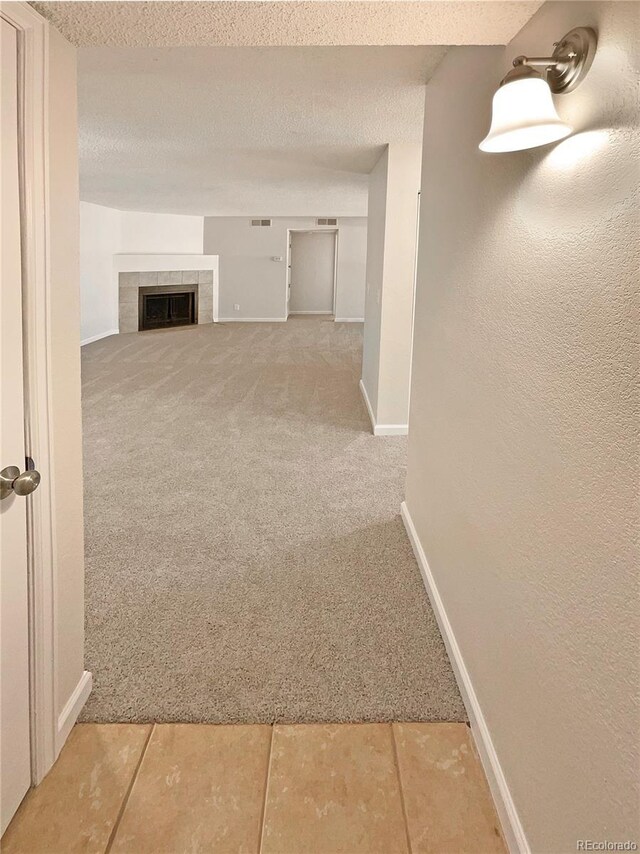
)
(27, 482)
(21, 484)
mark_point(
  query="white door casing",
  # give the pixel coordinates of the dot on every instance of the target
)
(15, 752)
(47, 160)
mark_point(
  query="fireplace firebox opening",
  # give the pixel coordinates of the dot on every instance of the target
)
(170, 305)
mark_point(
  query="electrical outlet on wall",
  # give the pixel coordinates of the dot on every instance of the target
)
(236, 307)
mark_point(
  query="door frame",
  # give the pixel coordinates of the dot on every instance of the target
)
(46, 737)
(331, 230)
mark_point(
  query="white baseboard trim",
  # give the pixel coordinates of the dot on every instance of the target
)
(391, 430)
(98, 337)
(69, 715)
(349, 319)
(511, 825)
(381, 429)
(252, 320)
(310, 312)
(367, 403)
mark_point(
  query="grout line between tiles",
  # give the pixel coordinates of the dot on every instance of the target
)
(127, 794)
(266, 789)
(404, 807)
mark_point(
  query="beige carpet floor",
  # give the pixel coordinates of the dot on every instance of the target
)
(246, 561)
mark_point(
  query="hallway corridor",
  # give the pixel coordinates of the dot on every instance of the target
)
(245, 557)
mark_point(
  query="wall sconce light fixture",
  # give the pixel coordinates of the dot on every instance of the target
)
(523, 114)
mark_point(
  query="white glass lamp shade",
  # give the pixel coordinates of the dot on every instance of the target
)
(523, 116)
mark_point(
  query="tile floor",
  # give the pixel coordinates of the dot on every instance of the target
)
(303, 789)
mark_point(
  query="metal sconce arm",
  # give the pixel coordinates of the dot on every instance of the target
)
(569, 63)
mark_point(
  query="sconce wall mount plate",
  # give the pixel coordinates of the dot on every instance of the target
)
(570, 60)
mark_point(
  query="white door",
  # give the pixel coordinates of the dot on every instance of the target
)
(15, 756)
(313, 256)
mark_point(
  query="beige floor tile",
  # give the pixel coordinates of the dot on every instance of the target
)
(77, 804)
(200, 788)
(448, 805)
(332, 789)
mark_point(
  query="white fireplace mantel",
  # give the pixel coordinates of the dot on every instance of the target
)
(153, 261)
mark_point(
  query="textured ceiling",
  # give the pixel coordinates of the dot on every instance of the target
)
(272, 108)
(247, 23)
(244, 131)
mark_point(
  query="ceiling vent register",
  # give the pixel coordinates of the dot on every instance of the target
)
(260, 222)
(326, 221)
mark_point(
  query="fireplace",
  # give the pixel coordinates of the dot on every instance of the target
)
(134, 284)
(171, 305)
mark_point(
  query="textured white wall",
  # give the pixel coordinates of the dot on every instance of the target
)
(160, 233)
(523, 445)
(99, 241)
(376, 222)
(393, 213)
(105, 232)
(251, 279)
(403, 185)
(352, 265)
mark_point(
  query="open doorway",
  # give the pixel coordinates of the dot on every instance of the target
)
(262, 417)
(312, 272)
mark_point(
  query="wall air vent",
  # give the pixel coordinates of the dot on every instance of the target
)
(260, 222)
(326, 221)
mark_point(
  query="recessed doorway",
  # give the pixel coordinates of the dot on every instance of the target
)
(312, 272)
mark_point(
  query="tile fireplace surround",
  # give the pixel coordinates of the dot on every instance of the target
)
(129, 284)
